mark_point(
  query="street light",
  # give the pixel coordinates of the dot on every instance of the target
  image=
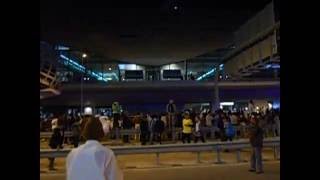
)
(84, 55)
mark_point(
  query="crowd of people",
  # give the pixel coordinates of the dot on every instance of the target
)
(154, 127)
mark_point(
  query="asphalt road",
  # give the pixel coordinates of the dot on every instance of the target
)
(199, 172)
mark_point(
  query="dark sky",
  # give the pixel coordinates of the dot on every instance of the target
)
(144, 32)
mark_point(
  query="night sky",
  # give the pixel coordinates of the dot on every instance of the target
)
(145, 32)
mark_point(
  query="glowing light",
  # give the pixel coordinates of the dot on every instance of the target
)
(62, 48)
(227, 103)
(84, 55)
(87, 111)
(77, 66)
(221, 66)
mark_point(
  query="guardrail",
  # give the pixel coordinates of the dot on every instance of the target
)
(113, 132)
(174, 132)
(157, 149)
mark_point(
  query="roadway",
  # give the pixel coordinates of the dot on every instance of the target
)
(199, 172)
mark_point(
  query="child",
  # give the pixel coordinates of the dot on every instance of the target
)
(187, 127)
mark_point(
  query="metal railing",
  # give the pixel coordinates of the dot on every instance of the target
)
(174, 132)
(216, 147)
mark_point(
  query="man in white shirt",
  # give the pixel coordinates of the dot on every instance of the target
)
(54, 123)
(105, 124)
(92, 161)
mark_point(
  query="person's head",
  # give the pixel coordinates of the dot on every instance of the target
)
(171, 101)
(93, 129)
(187, 114)
(251, 102)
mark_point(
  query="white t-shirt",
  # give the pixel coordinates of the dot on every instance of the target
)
(198, 126)
(92, 161)
(105, 124)
(54, 123)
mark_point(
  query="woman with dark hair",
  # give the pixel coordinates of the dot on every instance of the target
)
(92, 160)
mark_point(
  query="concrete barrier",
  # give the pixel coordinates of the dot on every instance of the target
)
(159, 149)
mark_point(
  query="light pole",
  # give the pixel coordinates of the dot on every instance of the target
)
(82, 58)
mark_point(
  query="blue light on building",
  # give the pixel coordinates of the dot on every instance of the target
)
(221, 66)
(99, 76)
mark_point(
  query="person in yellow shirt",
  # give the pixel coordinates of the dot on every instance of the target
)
(187, 128)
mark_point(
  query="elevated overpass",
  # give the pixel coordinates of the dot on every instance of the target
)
(159, 92)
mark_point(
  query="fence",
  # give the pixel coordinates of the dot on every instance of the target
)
(216, 147)
(174, 132)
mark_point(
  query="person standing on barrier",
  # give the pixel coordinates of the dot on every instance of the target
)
(186, 127)
(256, 141)
(92, 160)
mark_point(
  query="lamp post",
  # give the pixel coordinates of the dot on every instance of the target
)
(216, 90)
(82, 58)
